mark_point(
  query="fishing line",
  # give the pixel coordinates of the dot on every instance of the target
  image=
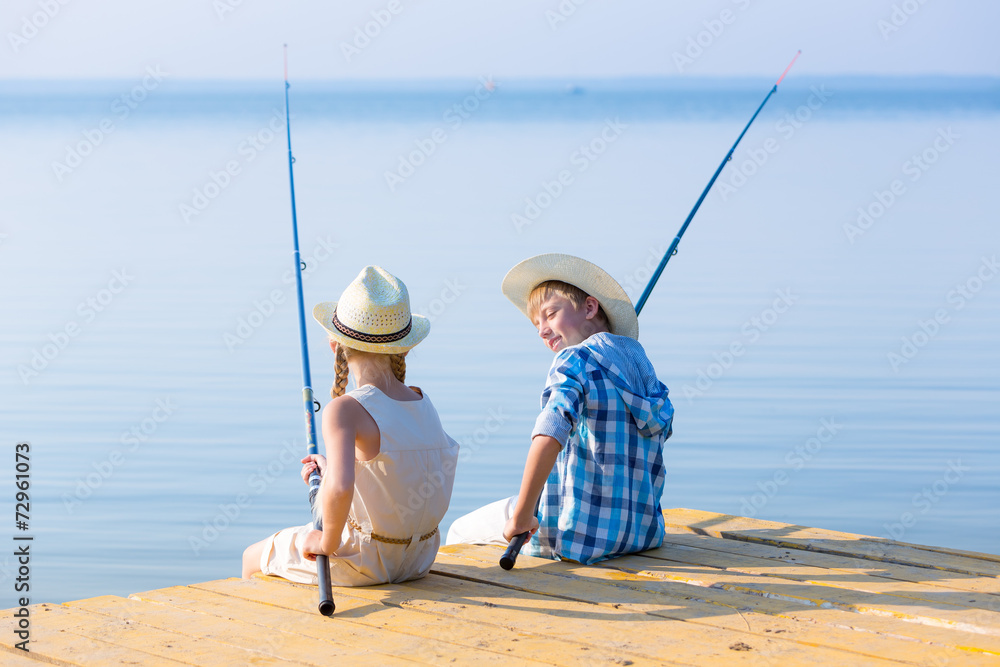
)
(672, 250)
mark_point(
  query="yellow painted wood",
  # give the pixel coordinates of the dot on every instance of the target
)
(55, 639)
(913, 611)
(384, 607)
(722, 590)
(849, 564)
(381, 633)
(591, 622)
(757, 615)
(655, 638)
(843, 579)
(123, 622)
(828, 541)
(221, 641)
(970, 629)
(18, 658)
(633, 639)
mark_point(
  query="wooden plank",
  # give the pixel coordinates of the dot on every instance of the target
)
(637, 638)
(381, 607)
(561, 616)
(849, 564)
(757, 615)
(791, 536)
(680, 513)
(913, 611)
(126, 631)
(215, 641)
(655, 638)
(54, 641)
(15, 657)
(722, 589)
(306, 622)
(843, 579)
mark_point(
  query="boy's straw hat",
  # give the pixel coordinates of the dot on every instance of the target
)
(373, 315)
(592, 279)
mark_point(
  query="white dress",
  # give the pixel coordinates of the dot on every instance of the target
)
(400, 497)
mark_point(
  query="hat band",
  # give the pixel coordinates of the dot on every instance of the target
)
(371, 338)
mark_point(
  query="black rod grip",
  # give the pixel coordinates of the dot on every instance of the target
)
(326, 604)
(513, 549)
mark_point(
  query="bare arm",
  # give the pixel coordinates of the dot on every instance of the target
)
(541, 457)
(337, 488)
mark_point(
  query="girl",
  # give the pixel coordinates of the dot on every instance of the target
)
(391, 467)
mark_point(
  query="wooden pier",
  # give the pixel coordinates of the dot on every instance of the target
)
(721, 590)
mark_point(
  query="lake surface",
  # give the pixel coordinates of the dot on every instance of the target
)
(828, 331)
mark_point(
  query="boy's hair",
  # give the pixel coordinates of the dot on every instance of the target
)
(572, 293)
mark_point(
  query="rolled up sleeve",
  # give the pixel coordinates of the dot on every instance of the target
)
(562, 398)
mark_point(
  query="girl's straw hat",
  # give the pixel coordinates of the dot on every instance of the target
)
(373, 315)
(592, 279)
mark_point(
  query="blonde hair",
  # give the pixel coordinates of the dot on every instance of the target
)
(544, 291)
(397, 363)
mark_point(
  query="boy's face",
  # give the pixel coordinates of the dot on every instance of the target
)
(561, 324)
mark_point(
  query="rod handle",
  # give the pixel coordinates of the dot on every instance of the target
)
(314, 482)
(326, 604)
(513, 549)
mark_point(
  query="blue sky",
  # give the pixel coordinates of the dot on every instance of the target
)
(241, 39)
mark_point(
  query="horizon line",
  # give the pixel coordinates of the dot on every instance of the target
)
(525, 78)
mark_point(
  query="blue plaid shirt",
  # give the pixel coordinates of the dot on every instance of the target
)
(605, 406)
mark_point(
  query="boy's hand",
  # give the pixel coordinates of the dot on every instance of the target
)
(516, 525)
(310, 463)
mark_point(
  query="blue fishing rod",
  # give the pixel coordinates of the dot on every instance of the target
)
(326, 605)
(517, 542)
(672, 250)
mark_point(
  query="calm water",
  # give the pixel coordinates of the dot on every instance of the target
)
(842, 377)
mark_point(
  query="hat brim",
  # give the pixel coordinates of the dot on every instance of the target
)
(592, 279)
(420, 327)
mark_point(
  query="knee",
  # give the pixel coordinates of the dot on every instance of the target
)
(251, 561)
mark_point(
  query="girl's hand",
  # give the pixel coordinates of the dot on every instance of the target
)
(313, 545)
(313, 462)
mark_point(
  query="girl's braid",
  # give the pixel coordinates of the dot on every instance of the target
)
(340, 368)
(398, 363)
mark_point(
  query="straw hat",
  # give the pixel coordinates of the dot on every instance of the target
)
(592, 279)
(373, 315)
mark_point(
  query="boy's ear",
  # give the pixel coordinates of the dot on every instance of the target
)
(591, 306)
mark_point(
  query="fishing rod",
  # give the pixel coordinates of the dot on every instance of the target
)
(326, 605)
(672, 250)
(514, 546)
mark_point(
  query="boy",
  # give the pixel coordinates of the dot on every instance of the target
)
(595, 466)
